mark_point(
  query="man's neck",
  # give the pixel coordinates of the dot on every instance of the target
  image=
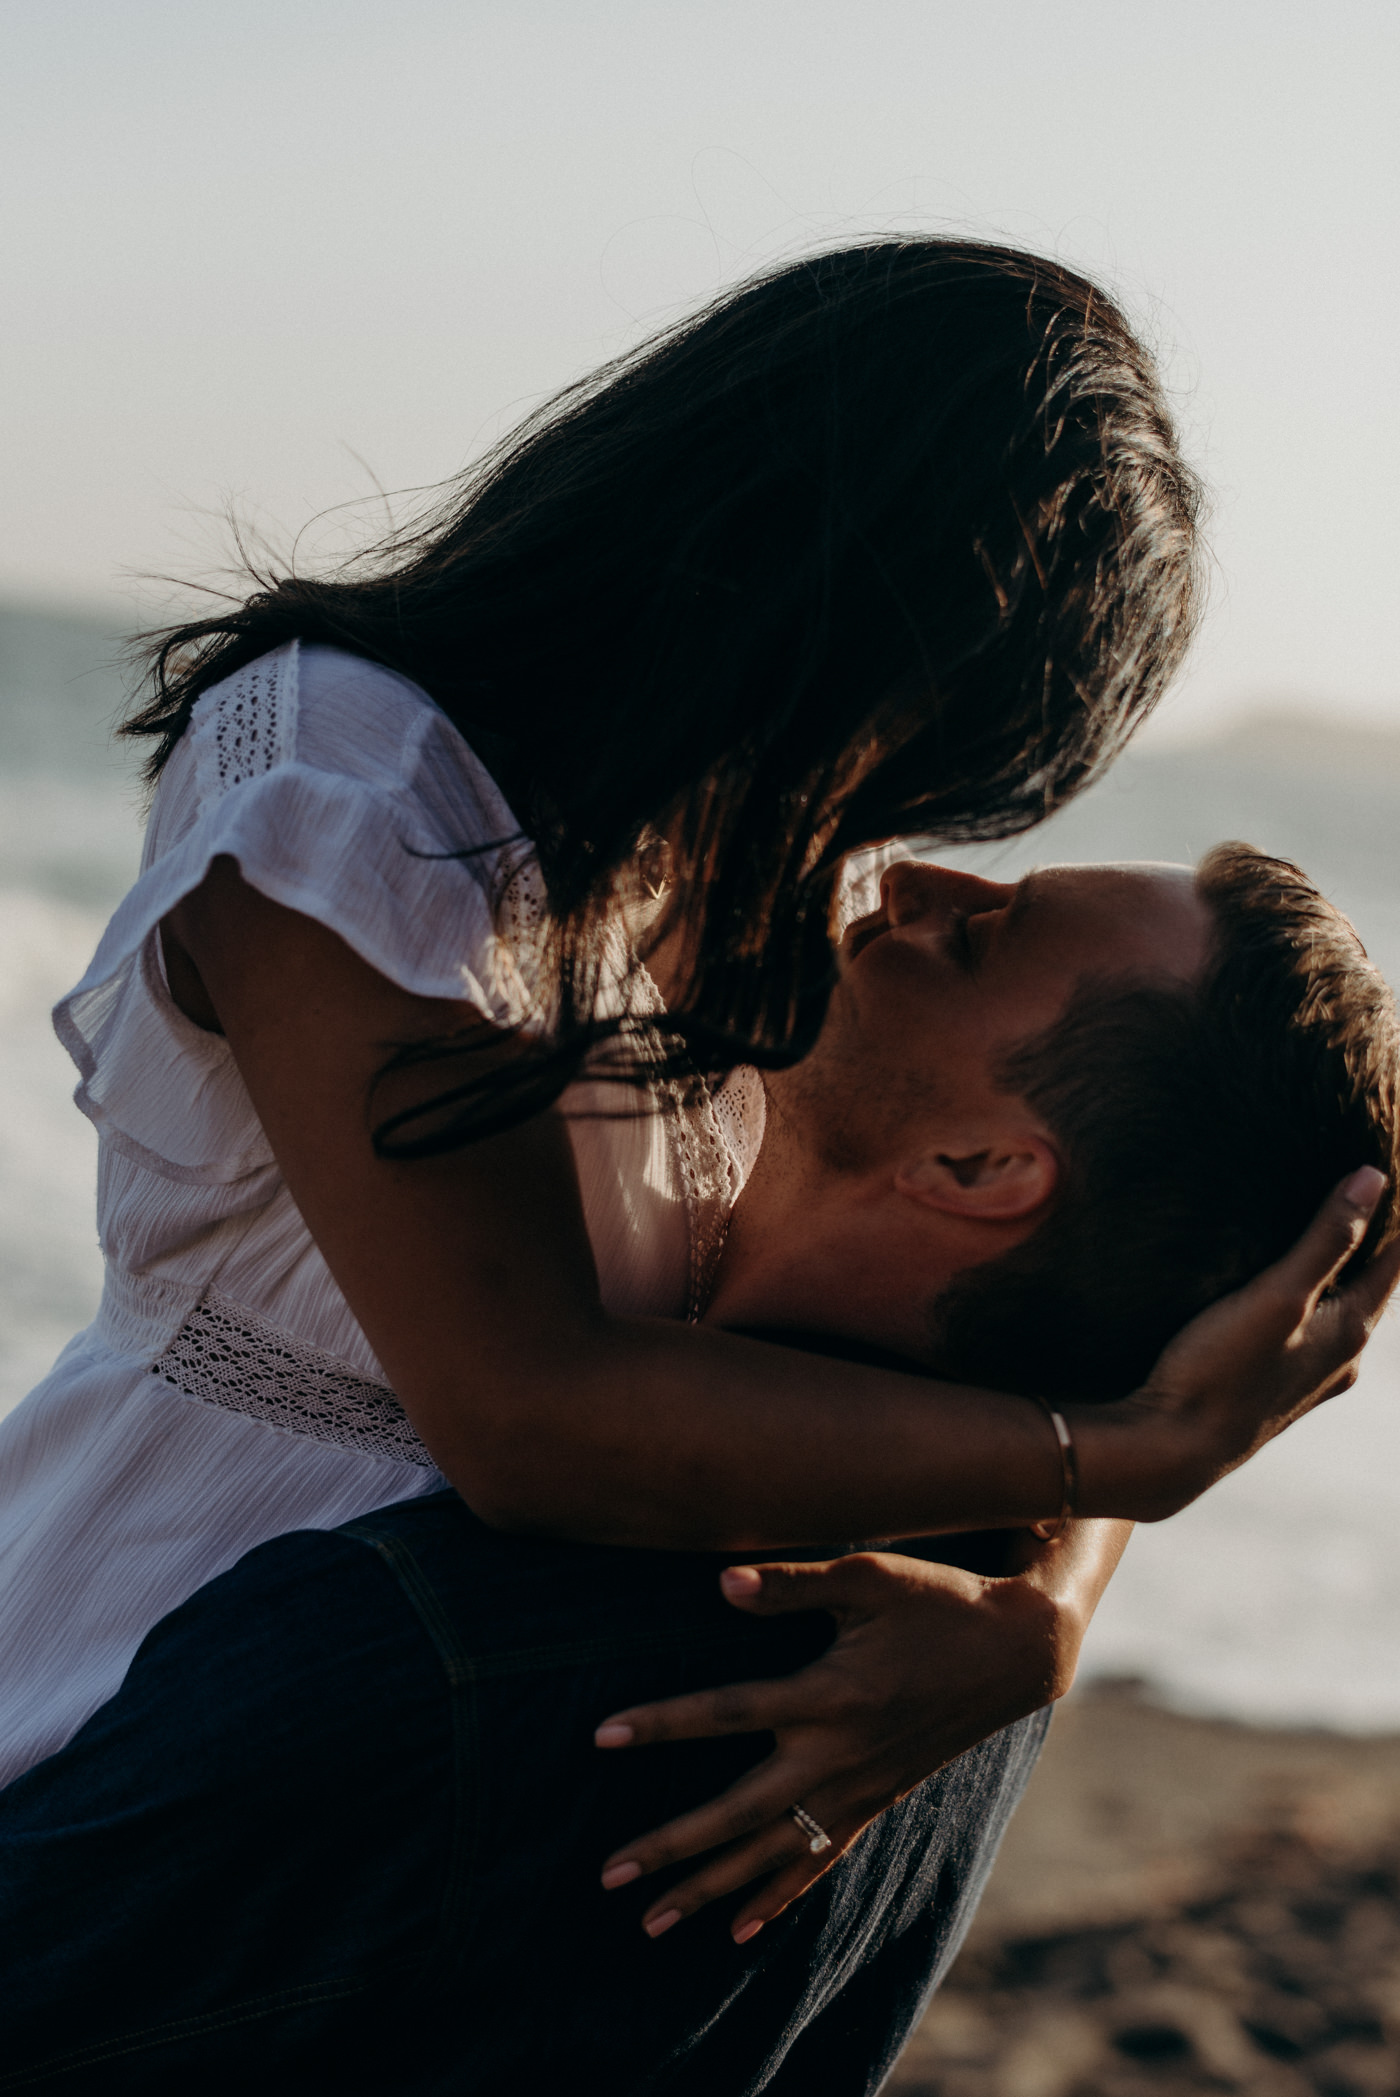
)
(764, 1238)
(816, 1248)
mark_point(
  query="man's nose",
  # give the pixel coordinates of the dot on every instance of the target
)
(911, 889)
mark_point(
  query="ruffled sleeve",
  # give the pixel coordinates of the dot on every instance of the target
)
(344, 793)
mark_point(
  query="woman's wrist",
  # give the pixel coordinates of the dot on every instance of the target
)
(1054, 1588)
(1074, 1570)
(1138, 1460)
(1042, 1625)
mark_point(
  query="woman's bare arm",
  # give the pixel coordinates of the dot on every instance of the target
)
(472, 1277)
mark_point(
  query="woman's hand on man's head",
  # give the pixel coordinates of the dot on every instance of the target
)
(1245, 1369)
(927, 1661)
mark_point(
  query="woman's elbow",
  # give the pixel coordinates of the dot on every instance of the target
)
(524, 1490)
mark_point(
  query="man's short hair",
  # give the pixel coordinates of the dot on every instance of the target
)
(1200, 1127)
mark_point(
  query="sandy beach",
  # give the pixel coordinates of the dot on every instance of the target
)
(1182, 1905)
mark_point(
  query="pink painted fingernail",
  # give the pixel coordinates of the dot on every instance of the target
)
(741, 1580)
(747, 1930)
(662, 1922)
(614, 1734)
(621, 1874)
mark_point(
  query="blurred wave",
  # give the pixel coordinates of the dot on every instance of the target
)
(70, 840)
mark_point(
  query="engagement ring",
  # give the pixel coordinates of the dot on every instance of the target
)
(817, 1837)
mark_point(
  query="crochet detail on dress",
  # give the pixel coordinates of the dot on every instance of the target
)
(225, 1354)
(709, 1184)
(521, 914)
(740, 1105)
(250, 725)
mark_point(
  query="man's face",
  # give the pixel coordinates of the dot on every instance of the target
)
(951, 972)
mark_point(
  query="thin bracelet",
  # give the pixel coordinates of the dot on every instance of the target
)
(1069, 1475)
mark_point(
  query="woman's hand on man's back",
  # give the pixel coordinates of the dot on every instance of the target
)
(927, 1661)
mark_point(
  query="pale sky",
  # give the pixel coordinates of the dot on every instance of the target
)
(250, 244)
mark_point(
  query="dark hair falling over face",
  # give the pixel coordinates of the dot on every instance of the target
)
(894, 540)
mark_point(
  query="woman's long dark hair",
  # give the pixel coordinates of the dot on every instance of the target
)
(895, 540)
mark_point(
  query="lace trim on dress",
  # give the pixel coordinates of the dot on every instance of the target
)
(224, 1354)
(250, 726)
(741, 1109)
(521, 909)
(709, 1182)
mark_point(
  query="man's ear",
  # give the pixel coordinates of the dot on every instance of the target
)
(1011, 1178)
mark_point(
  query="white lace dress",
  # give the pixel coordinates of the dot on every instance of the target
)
(224, 1393)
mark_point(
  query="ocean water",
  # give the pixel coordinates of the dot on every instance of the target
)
(70, 841)
(1275, 1598)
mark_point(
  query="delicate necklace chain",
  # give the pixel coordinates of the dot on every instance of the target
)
(705, 1162)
